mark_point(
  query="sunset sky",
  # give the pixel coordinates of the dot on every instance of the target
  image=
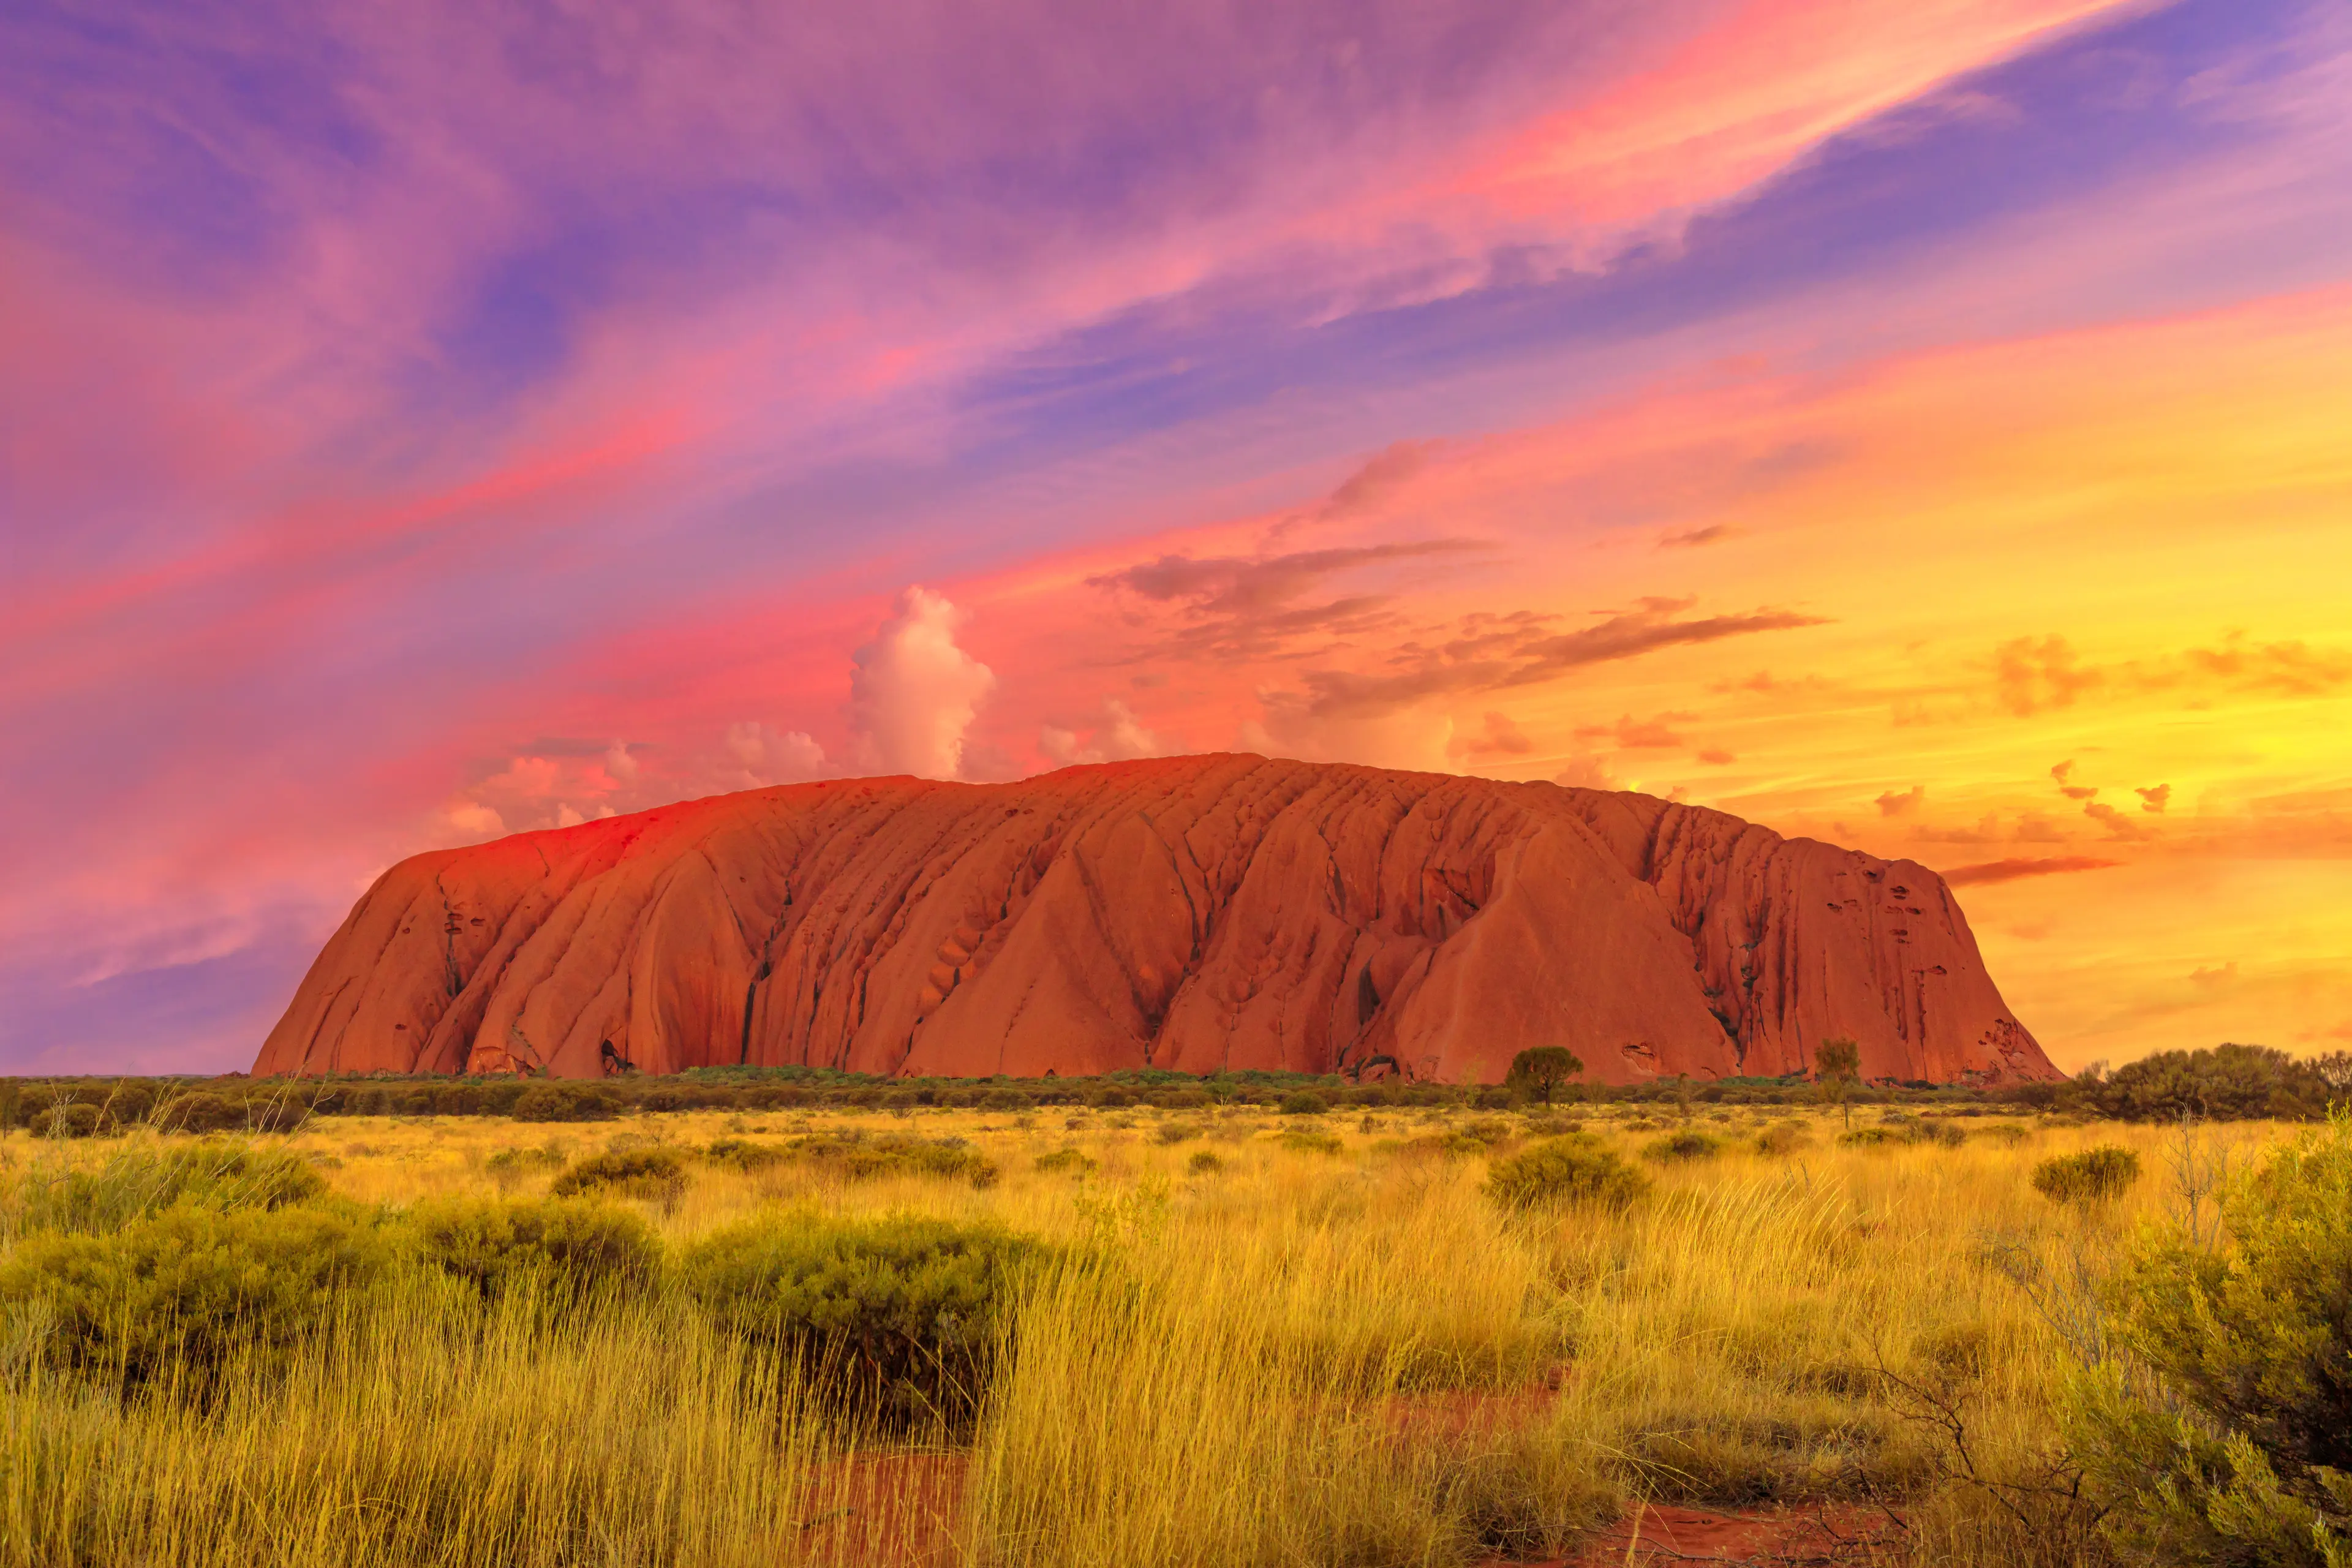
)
(1923, 426)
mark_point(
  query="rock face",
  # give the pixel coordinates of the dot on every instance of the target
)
(1191, 912)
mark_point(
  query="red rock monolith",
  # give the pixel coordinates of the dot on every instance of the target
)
(1195, 913)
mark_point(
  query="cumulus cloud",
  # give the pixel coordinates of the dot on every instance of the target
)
(1118, 737)
(2031, 676)
(913, 693)
(2153, 801)
(1890, 804)
(556, 783)
(770, 757)
(1715, 756)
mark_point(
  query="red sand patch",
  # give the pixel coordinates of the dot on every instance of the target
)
(1775, 1540)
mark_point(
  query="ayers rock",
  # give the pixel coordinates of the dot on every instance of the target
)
(1195, 913)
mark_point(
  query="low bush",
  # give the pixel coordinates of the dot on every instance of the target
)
(1075, 1162)
(171, 1297)
(743, 1154)
(896, 1318)
(655, 1174)
(2094, 1176)
(1204, 1162)
(1865, 1138)
(1178, 1132)
(515, 1162)
(1576, 1168)
(1782, 1138)
(857, 1157)
(2223, 1432)
(1690, 1144)
(573, 1247)
(1303, 1103)
(563, 1102)
(139, 1181)
(1311, 1141)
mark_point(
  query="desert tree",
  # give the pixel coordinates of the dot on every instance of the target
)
(1837, 1068)
(1542, 1070)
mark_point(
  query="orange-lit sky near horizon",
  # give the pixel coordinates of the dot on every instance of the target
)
(1925, 427)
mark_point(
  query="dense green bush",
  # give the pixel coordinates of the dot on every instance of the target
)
(174, 1295)
(1575, 1168)
(1075, 1162)
(2223, 1434)
(138, 1181)
(1303, 1103)
(1688, 1144)
(2094, 1176)
(1865, 1138)
(1782, 1138)
(2224, 1083)
(656, 1175)
(573, 1247)
(1204, 1162)
(896, 1317)
(1177, 1131)
(563, 1102)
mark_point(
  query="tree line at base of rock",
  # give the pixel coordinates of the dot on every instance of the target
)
(2228, 1082)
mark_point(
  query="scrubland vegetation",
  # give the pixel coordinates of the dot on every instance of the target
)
(1167, 1324)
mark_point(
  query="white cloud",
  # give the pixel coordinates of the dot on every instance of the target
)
(770, 757)
(914, 693)
(1119, 737)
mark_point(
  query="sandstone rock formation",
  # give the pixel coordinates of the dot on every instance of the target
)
(1188, 912)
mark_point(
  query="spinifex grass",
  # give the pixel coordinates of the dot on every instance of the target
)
(1286, 1357)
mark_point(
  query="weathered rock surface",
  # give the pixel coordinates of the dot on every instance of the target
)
(1186, 913)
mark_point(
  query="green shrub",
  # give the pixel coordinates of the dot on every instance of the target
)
(1311, 1141)
(2004, 1133)
(1782, 1138)
(2094, 1176)
(1070, 1159)
(1865, 1138)
(573, 1247)
(1488, 1131)
(1303, 1103)
(563, 1102)
(139, 1181)
(1575, 1168)
(2224, 1432)
(514, 1161)
(2225, 1083)
(858, 1157)
(1688, 1144)
(656, 1175)
(898, 1316)
(743, 1154)
(1203, 1162)
(1177, 1131)
(175, 1295)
